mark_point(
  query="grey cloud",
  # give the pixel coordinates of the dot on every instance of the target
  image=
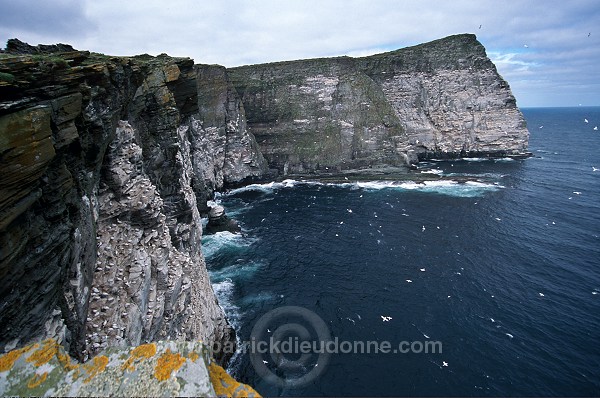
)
(237, 32)
(53, 18)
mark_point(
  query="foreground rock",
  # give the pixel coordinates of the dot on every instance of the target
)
(161, 369)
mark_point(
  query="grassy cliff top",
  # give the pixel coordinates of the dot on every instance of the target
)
(451, 47)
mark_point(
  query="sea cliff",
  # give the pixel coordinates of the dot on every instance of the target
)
(108, 163)
(441, 99)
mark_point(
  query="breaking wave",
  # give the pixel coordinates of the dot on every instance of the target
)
(445, 187)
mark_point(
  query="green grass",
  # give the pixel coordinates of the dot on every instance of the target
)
(7, 77)
(50, 61)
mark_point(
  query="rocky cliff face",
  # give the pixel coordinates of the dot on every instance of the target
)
(108, 162)
(439, 99)
(318, 114)
(106, 165)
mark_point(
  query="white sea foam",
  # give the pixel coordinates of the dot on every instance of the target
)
(211, 244)
(235, 271)
(475, 159)
(224, 288)
(224, 292)
(213, 203)
(376, 185)
(266, 187)
(483, 184)
(446, 187)
(433, 171)
(504, 160)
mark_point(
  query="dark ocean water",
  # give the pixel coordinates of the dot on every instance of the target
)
(504, 271)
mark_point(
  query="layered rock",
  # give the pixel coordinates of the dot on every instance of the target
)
(439, 99)
(450, 99)
(104, 180)
(226, 154)
(317, 115)
(150, 281)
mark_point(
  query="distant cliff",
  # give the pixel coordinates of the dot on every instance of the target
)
(108, 163)
(441, 99)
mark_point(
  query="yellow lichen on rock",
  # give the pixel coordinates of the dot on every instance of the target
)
(65, 361)
(97, 365)
(143, 351)
(164, 368)
(37, 379)
(8, 360)
(193, 356)
(226, 385)
(45, 353)
(168, 363)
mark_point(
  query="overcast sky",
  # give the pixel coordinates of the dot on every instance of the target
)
(548, 50)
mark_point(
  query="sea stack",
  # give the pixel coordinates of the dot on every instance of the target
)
(218, 221)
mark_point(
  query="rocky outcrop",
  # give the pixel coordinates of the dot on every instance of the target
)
(226, 154)
(218, 221)
(105, 175)
(439, 99)
(108, 164)
(317, 115)
(160, 369)
(450, 99)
